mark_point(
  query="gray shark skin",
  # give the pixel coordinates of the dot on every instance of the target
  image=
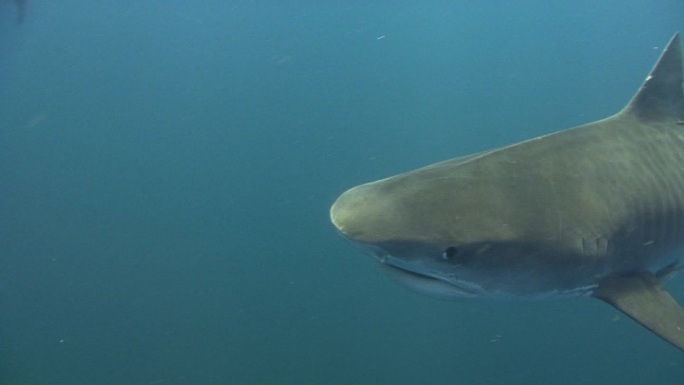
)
(596, 210)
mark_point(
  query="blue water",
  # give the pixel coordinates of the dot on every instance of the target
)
(167, 169)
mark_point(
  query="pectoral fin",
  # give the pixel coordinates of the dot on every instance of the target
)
(642, 297)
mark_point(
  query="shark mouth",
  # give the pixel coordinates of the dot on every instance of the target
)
(425, 283)
(420, 279)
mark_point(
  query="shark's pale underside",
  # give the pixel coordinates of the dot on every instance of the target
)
(596, 210)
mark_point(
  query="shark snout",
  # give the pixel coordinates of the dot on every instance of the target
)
(343, 212)
(360, 213)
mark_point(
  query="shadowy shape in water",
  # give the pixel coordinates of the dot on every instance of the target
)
(21, 10)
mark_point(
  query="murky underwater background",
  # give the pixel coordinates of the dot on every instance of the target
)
(167, 169)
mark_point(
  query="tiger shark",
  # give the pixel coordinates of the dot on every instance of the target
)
(595, 210)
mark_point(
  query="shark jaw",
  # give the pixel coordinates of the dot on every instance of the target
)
(432, 274)
(428, 285)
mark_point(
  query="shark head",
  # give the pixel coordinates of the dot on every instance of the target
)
(463, 229)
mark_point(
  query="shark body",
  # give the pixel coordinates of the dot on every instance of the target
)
(596, 210)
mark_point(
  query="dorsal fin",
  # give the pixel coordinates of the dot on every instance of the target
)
(660, 96)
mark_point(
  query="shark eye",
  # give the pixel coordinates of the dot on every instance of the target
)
(450, 253)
